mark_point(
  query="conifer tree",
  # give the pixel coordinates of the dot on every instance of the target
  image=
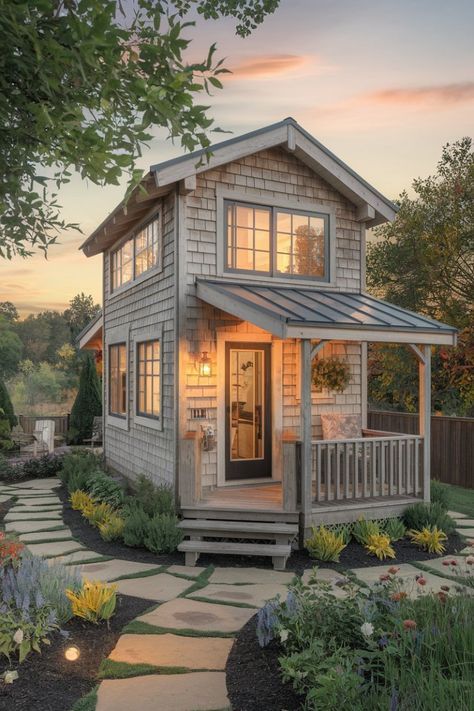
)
(88, 402)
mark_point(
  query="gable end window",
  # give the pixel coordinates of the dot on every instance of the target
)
(137, 255)
(149, 379)
(118, 379)
(275, 241)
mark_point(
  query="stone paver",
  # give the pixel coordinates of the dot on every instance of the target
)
(111, 569)
(31, 526)
(326, 575)
(408, 575)
(77, 557)
(197, 691)
(40, 484)
(40, 516)
(455, 514)
(169, 650)
(38, 501)
(186, 570)
(3, 499)
(250, 575)
(19, 513)
(199, 616)
(41, 536)
(54, 549)
(469, 532)
(160, 587)
(254, 595)
(465, 522)
(443, 565)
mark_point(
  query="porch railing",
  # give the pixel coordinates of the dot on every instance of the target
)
(367, 467)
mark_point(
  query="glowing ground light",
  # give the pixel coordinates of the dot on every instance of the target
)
(72, 654)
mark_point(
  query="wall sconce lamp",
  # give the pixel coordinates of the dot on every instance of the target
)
(205, 365)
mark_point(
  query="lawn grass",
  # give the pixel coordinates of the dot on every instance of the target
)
(88, 702)
(461, 500)
(111, 669)
(140, 627)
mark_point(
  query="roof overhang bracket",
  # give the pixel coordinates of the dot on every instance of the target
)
(316, 348)
(365, 213)
(419, 355)
(188, 185)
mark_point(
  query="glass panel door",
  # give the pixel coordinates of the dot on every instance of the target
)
(248, 425)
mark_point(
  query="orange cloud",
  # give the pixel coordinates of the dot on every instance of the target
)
(442, 94)
(267, 65)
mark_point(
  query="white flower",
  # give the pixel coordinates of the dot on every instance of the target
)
(367, 629)
(10, 676)
(18, 636)
(284, 635)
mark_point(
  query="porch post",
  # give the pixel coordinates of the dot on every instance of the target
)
(305, 417)
(424, 368)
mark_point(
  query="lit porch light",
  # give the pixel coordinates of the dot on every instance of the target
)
(205, 365)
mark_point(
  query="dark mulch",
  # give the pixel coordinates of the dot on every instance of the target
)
(48, 682)
(353, 556)
(253, 676)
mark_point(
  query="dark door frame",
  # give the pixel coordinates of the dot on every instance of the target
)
(253, 468)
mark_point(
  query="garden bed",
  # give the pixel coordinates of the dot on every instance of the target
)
(48, 681)
(253, 675)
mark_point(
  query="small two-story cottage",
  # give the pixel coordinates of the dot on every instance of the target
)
(222, 283)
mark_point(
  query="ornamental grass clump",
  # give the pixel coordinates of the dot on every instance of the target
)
(81, 500)
(430, 539)
(163, 534)
(378, 544)
(362, 530)
(325, 545)
(112, 528)
(94, 602)
(98, 513)
(394, 528)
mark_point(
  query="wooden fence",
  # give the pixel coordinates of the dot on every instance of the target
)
(452, 443)
(61, 423)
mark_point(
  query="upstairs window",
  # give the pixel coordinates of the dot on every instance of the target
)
(137, 255)
(276, 242)
(118, 379)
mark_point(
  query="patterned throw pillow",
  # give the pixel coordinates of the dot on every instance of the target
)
(341, 426)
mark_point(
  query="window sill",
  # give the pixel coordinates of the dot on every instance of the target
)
(272, 280)
(120, 423)
(152, 423)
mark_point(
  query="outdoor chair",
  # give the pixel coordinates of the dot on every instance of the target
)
(97, 432)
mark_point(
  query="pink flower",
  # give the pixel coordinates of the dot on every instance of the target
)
(393, 570)
(409, 625)
(446, 562)
(454, 562)
(383, 578)
(421, 580)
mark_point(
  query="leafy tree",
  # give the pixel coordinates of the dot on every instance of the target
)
(6, 407)
(82, 85)
(37, 384)
(88, 402)
(81, 311)
(10, 349)
(424, 261)
(8, 311)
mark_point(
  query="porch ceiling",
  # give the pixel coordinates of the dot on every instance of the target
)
(302, 312)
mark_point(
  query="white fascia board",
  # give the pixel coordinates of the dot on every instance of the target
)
(91, 333)
(372, 335)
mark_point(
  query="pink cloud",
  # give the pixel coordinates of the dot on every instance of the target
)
(267, 65)
(442, 94)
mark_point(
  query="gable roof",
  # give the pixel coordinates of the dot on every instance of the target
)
(373, 207)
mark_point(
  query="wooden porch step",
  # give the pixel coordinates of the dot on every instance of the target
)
(278, 552)
(279, 532)
(235, 513)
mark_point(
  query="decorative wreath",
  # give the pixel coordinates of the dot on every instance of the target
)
(330, 374)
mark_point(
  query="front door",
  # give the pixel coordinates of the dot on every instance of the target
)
(248, 431)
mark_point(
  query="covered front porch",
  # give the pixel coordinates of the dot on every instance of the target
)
(320, 480)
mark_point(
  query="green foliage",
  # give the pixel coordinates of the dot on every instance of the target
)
(440, 494)
(20, 636)
(112, 528)
(88, 402)
(35, 385)
(330, 373)
(423, 515)
(98, 514)
(10, 349)
(42, 335)
(154, 499)
(363, 529)
(394, 528)
(430, 539)
(42, 467)
(6, 407)
(78, 469)
(80, 313)
(136, 527)
(8, 472)
(109, 73)
(374, 649)
(5, 431)
(163, 534)
(103, 488)
(94, 602)
(325, 545)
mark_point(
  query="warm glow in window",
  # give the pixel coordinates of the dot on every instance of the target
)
(137, 255)
(118, 379)
(266, 240)
(149, 379)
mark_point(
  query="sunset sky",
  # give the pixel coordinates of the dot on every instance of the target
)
(383, 84)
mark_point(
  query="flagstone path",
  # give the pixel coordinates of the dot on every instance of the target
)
(186, 636)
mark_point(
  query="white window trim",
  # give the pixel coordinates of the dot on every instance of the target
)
(256, 198)
(114, 337)
(156, 213)
(139, 336)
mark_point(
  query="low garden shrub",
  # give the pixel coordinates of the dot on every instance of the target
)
(325, 545)
(20, 634)
(394, 528)
(422, 515)
(78, 468)
(430, 539)
(375, 649)
(440, 494)
(43, 467)
(9, 473)
(136, 527)
(362, 530)
(81, 500)
(378, 544)
(163, 534)
(98, 513)
(94, 601)
(155, 499)
(103, 488)
(112, 528)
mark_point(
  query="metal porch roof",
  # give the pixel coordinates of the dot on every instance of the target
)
(304, 312)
